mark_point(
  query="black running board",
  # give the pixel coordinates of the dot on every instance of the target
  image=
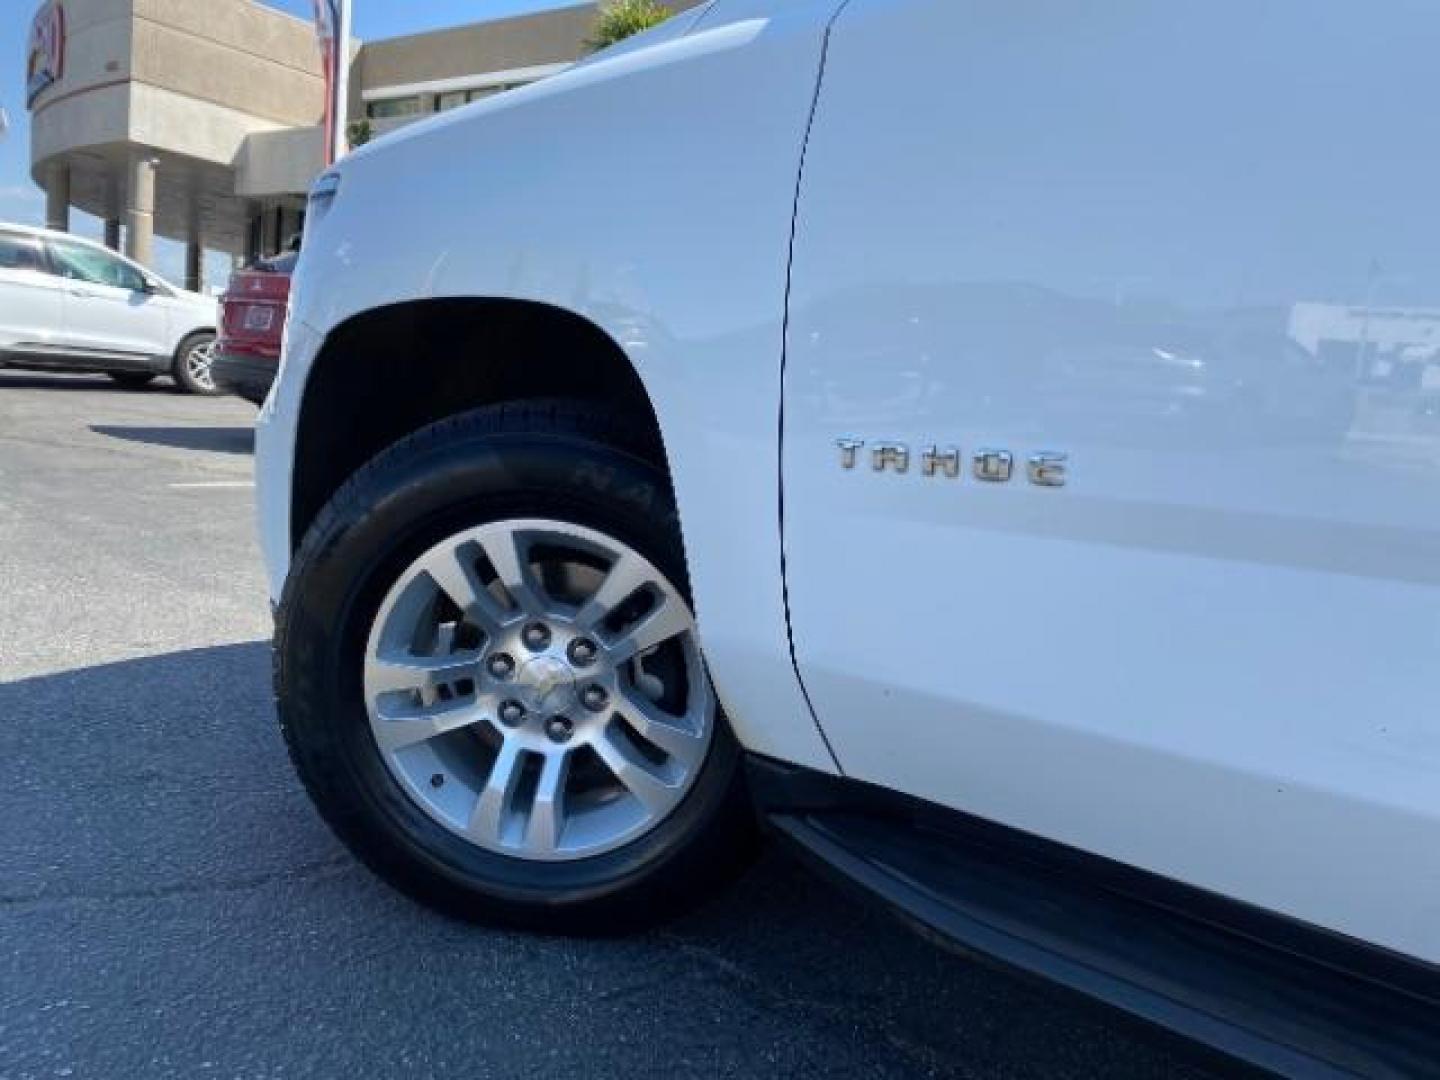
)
(1264, 1005)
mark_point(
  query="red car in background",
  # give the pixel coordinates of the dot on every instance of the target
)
(252, 320)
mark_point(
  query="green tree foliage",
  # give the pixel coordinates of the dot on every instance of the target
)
(620, 18)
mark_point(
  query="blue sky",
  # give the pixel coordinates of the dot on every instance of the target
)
(21, 200)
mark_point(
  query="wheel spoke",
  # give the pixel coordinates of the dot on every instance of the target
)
(513, 570)
(454, 574)
(625, 578)
(397, 730)
(424, 674)
(661, 624)
(547, 813)
(199, 361)
(487, 820)
(665, 731)
(635, 773)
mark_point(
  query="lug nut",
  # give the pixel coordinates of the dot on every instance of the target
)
(501, 666)
(559, 728)
(594, 698)
(511, 713)
(536, 637)
(583, 652)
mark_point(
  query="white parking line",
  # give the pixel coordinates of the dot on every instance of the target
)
(216, 484)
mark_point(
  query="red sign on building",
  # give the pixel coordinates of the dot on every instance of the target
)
(45, 56)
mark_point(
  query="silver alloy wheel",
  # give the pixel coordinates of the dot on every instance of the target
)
(199, 364)
(537, 688)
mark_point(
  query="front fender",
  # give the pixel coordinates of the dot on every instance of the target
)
(652, 194)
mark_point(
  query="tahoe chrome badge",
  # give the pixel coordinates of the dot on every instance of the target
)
(1045, 468)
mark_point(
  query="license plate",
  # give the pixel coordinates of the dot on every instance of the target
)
(259, 318)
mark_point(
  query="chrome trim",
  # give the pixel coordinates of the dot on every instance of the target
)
(994, 466)
(1047, 468)
(890, 455)
(934, 459)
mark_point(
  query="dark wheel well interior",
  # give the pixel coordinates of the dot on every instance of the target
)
(390, 372)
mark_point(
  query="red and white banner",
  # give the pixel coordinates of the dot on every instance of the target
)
(332, 28)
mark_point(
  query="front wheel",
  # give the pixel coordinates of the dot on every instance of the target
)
(193, 370)
(490, 680)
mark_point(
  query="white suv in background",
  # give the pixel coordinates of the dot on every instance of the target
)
(68, 304)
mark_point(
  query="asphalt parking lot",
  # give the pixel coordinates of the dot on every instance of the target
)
(171, 906)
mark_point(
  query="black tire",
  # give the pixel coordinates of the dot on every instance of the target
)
(555, 460)
(131, 380)
(180, 367)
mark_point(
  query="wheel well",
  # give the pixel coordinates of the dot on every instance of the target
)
(387, 373)
(180, 345)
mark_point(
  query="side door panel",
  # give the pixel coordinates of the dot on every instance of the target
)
(105, 310)
(1193, 247)
(30, 298)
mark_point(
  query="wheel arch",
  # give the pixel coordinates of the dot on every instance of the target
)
(403, 366)
(193, 332)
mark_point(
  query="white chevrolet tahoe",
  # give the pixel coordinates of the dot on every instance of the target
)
(69, 304)
(997, 440)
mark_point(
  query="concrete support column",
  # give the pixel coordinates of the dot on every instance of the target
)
(140, 210)
(289, 226)
(57, 199)
(277, 228)
(112, 233)
(194, 261)
(252, 237)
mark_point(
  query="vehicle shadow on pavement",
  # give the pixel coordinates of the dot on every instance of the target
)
(221, 440)
(29, 380)
(168, 895)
